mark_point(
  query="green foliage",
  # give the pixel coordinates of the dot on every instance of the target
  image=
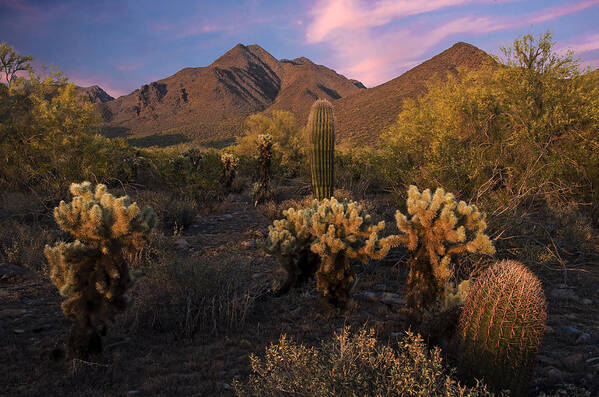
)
(504, 135)
(321, 127)
(501, 327)
(337, 232)
(288, 150)
(92, 272)
(11, 63)
(438, 229)
(353, 365)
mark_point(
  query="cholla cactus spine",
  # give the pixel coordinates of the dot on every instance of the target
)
(229, 162)
(438, 229)
(92, 272)
(321, 126)
(501, 326)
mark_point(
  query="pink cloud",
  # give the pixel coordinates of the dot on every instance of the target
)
(360, 51)
(127, 67)
(195, 30)
(17, 5)
(582, 44)
(161, 27)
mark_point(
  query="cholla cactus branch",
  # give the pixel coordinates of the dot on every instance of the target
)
(229, 162)
(438, 228)
(92, 272)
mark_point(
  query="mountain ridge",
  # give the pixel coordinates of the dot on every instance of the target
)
(210, 103)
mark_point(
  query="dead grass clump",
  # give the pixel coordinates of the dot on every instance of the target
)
(23, 244)
(173, 210)
(353, 365)
(184, 295)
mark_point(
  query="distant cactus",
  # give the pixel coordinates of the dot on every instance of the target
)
(229, 162)
(261, 190)
(438, 229)
(501, 327)
(92, 272)
(343, 231)
(321, 127)
(290, 239)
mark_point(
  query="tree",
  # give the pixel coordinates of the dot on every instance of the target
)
(11, 62)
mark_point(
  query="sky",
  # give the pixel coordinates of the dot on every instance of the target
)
(121, 45)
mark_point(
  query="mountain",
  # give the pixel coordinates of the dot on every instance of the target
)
(208, 104)
(361, 117)
(94, 93)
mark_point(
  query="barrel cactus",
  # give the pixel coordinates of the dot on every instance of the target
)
(321, 127)
(438, 229)
(92, 272)
(501, 327)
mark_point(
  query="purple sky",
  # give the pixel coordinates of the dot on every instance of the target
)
(121, 45)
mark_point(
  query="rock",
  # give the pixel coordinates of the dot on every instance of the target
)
(380, 287)
(369, 295)
(587, 301)
(547, 361)
(227, 386)
(549, 329)
(18, 331)
(554, 374)
(592, 360)
(249, 244)
(132, 392)
(569, 333)
(10, 271)
(228, 216)
(182, 244)
(583, 339)
(564, 293)
(573, 362)
(392, 299)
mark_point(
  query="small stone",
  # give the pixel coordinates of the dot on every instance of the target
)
(548, 361)
(222, 373)
(380, 287)
(570, 333)
(592, 360)
(587, 301)
(228, 216)
(18, 331)
(227, 386)
(573, 362)
(554, 374)
(182, 244)
(370, 295)
(565, 294)
(9, 271)
(392, 299)
(132, 392)
(549, 329)
(583, 339)
(248, 244)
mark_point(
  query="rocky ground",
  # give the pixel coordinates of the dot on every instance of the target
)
(146, 362)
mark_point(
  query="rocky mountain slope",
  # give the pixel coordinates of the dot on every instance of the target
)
(207, 105)
(94, 93)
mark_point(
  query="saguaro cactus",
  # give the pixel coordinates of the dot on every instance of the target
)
(93, 273)
(501, 327)
(321, 127)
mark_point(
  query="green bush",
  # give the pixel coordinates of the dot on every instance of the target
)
(353, 365)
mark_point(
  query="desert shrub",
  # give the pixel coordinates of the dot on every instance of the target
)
(501, 327)
(185, 295)
(288, 140)
(92, 272)
(438, 228)
(175, 211)
(23, 244)
(360, 171)
(229, 163)
(353, 365)
(504, 136)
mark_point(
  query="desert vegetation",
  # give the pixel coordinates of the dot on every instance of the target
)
(455, 256)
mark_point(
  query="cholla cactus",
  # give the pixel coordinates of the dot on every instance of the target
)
(343, 231)
(501, 327)
(290, 240)
(92, 272)
(230, 162)
(438, 229)
(261, 190)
